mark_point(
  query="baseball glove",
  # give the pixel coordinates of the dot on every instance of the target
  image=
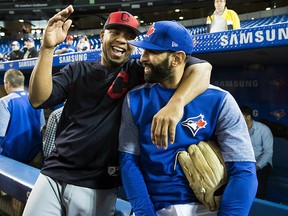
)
(205, 170)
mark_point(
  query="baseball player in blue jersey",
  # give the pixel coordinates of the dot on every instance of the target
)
(20, 124)
(152, 184)
(81, 175)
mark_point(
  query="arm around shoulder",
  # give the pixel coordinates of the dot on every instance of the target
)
(195, 81)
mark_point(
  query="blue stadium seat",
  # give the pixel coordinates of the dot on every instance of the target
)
(266, 208)
(278, 181)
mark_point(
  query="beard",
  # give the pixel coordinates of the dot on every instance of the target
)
(158, 73)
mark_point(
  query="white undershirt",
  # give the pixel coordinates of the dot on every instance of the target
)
(218, 24)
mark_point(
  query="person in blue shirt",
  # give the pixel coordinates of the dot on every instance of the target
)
(152, 184)
(67, 47)
(20, 124)
(262, 141)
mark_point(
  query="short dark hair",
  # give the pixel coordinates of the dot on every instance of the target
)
(246, 110)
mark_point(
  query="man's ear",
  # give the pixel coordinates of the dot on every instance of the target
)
(178, 58)
(101, 35)
(249, 117)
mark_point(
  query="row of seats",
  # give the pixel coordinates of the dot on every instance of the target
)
(194, 30)
(278, 181)
(5, 46)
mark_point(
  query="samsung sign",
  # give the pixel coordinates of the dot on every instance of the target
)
(73, 57)
(242, 39)
(259, 36)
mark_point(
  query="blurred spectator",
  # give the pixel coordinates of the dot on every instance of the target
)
(20, 124)
(222, 19)
(16, 52)
(83, 43)
(66, 47)
(31, 51)
(24, 48)
(262, 141)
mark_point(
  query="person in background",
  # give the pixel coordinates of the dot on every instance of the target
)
(50, 131)
(222, 19)
(262, 141)
(20, 126)
(24, 48)
(154, 186)
(83, 43)
(31, 51)
(67, 47)
(16, 52)
(1, 57)
(85, 158)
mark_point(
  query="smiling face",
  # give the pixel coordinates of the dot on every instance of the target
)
(115, 48)
(69, 41)
(15, 47)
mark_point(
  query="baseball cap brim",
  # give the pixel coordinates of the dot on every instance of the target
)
(15, 43)
(147, 45)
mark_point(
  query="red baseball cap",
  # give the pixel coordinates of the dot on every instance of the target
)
(69, 37)
(122, 18)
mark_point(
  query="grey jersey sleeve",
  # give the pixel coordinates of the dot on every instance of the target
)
(129, 133)
(232, 133)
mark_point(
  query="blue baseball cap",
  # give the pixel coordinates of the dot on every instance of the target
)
(166, 36)
(29, 39)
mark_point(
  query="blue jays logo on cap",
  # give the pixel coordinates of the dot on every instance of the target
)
(166, 36)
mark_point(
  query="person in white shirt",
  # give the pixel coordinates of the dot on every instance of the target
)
(222, 19)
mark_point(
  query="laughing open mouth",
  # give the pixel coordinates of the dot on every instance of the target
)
(118, 51)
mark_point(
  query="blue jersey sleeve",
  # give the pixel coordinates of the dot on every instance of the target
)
(241, 189)
(134, 185)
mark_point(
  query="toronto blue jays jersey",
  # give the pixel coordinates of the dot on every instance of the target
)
(20, 127)
(213, 113)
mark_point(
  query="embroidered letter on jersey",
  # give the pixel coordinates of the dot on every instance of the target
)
(119, 87)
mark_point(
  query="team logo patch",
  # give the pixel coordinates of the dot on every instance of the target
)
(174, 44)
(150, 31)
(113, 170)
(195, 123)
(278, 114)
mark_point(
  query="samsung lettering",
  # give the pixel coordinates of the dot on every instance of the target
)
(268, 35)
(27, 63)
(72, 58)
